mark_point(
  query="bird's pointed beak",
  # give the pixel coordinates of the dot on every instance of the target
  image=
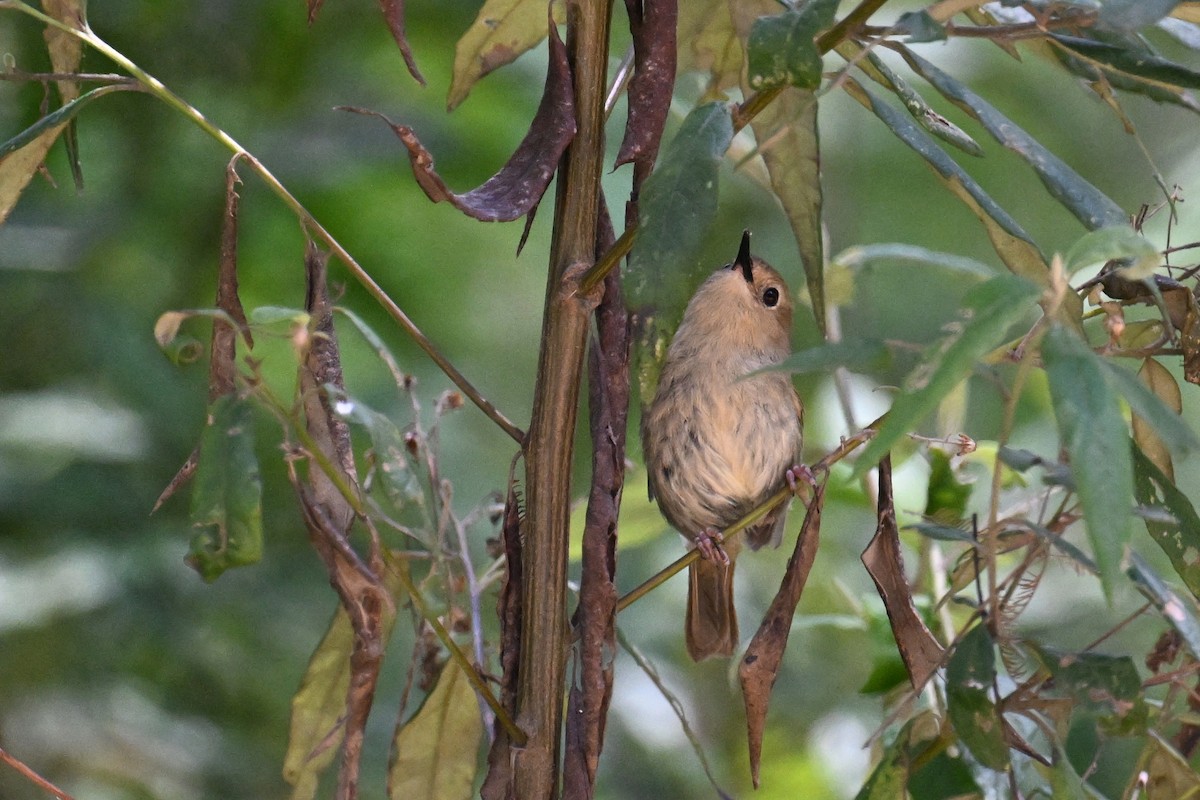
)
(743, 258)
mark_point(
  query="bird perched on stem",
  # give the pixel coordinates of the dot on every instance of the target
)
(718, 440)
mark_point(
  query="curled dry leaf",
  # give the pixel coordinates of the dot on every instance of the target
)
(921, 652)
(760, 664)
(652, 24)
(519, 185)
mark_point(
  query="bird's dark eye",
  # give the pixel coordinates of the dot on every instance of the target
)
(770, 297)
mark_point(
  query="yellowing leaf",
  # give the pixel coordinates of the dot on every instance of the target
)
(17, 168)
(1160, 381)
(437, 750)
(708, 42)
(503, 31)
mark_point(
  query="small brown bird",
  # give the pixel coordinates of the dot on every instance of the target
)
(719, 441)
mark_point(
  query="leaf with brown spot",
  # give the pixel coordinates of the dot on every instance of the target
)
(520, 184)
(921, 652)
(1189, 340)
(652, 24)
(1162, 383)
(502, 31)
(760, 664)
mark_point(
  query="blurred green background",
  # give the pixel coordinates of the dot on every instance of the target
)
(123, 675)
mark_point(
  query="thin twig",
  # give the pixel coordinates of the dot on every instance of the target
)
(32, 776)
(158, 89)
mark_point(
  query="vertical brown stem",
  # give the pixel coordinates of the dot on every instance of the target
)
(548, 446)
(595, 616)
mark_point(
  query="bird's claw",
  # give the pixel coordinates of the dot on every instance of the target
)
(799, 472)
(709, 543)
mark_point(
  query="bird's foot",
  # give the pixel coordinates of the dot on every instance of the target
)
(710, 544)
(799, 472)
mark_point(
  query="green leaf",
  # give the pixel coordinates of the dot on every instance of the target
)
(1180, 614)
(268, 316)
(226, 492)
(391, 456)
(1138, 63)
(59, 117)
(437, 751)
(929, 119)
(1089, 205)
(1097, 440)
(859, 256)
(1130, 15)
(920, 27)
(942, 533)
(1114, 242)
(782, 49)
(946, 498)
(991, 308)
(1012, 243)
(887, 673)
(969, 677)
(1181, 540)
(1065, 783)
(678, 205)
(858, 355)
(1104, 686)
(888, 778)
(1165, 420)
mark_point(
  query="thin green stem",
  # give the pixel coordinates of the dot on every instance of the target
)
(156, 87)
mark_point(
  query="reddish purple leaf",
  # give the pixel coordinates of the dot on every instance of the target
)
(652, 24)
(393, 12)
(519, 185)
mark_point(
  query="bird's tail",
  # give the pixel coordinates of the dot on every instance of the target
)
(712, 628)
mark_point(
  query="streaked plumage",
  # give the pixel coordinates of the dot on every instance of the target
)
(719, 441)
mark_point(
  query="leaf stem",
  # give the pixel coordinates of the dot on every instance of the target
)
(156, 87)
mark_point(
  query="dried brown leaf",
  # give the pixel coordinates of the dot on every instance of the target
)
(520, 184)
(314, 8)
(920, 651)
(223, 353)
(393, 12)
(760, 664)
(1189, 340)
(65, 50)
(652, 24)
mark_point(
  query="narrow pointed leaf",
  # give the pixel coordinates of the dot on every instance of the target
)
(969, 677)
(856, 355)
(1139, 64)
(66, 52)
(57, 119)
(390, 453)
(782, 49)
(1089, 205)
(1012, 243)
(1131, 15)
(858, 256)
(1180, 540)
(1096, 439)
(1179, 613)
(991, 309)
(502, 31)
(929, 119)
(438, 749)
(226, 492)
(678, 204)
(519, 185)
(393, 15)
